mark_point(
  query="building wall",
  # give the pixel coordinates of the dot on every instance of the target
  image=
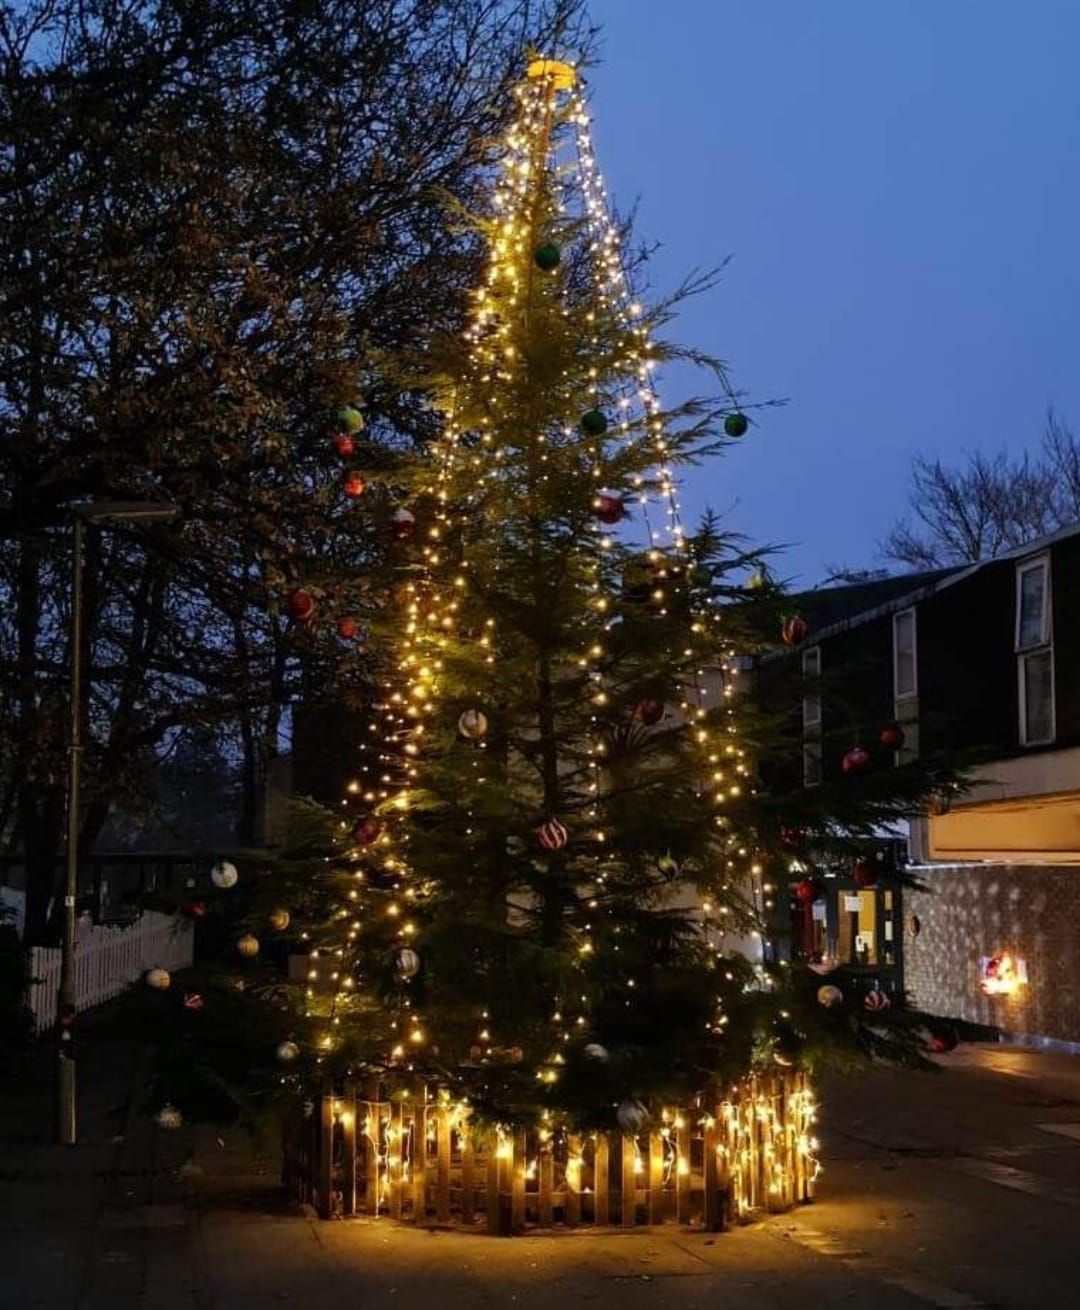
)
(968, 912)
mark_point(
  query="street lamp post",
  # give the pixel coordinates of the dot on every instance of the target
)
(101, 512)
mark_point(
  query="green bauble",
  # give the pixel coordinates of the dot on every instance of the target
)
(594, 423)
(735, 425)
(350, 418)
(700, 575)
(547, 257)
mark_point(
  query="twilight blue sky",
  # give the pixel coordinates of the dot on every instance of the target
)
(898, 182)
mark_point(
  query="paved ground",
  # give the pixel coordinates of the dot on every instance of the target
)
(956, 1191)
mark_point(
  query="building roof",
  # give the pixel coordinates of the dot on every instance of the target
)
(828, 610)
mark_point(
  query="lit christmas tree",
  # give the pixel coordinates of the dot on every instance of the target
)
(550, 900)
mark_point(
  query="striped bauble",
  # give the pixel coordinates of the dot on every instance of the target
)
(551, 835)
(876, 1001)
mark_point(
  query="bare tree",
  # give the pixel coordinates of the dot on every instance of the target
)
(989, 503)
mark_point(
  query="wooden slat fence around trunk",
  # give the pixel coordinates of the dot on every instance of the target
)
(418, 1158)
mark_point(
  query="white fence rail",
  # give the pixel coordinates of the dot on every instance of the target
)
(108, 959)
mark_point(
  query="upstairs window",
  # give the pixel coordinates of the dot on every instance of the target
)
(1035, 652)
(905, 659)
(811, 705)
(1033, 604)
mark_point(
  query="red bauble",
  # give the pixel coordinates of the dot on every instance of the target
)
(301, 604)
(552, 836)
(876, 1001)
(348, 628)
(793, 630)
(649, 711)
(608, 508)
(891, 736)
(864, 874)
(193, 909)
(354, 485)
(193, 1001)
(402, 524)
(944, 1041)
(805, 891)
(344, 445)
(855, 760)
(367, 830)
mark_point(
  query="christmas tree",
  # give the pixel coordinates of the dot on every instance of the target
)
(550, 888)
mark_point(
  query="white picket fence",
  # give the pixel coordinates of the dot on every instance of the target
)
(108, 959)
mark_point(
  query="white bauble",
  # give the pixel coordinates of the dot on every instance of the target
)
(248, 946)
(596, 1052)
(287, 1052)
(473, 724)
(829, 995)
(169, 1117)
(407, 963)
(632, 1116)
(224, 875)
(159, 979)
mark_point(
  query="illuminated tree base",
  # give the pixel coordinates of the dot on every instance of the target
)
(415, 1158)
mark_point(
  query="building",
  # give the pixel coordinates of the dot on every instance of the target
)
(978, 665)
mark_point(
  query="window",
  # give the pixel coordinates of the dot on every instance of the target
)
(811, 716)
(905, 661)
(811, 705)
(1035, 652)
(1032, 604)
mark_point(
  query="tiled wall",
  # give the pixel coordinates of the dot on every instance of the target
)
(1031, 911)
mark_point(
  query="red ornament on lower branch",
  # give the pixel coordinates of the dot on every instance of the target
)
(892, 737)
(301, 604)
(805, 891)
(856, 760)
(649, 711)
(347, 628)
(367, 830)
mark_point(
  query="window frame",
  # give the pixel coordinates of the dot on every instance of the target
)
(912, 694)
(812, 655)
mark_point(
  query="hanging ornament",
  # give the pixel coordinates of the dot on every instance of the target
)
(158, 979)
(193, 1001)
(407, 963)
(632, 1117)
(301, 604)
(649, 711)
(594, 422)
(805, 891)
(347, 628)
(855, 760)
(278, 919)
(353, 485)
(247, 946)
(595, 1051)
(892, 737)
(473, 724)
(864, 873)
(829, 996)
(367, 830)
(344, 445)
(224, 875)
(350, 419)
(943, 1041)
(193, 909)
(547, 257)
(402, 524)
(699, 575)
(793, 630)
(876, 1001)
(756, 580)
(608, 508)
(735, 424)
(169, 1117)
(668, 866)
(287, 1052)
(552, 836)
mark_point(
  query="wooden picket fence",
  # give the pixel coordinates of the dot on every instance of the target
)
(416, 1158)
